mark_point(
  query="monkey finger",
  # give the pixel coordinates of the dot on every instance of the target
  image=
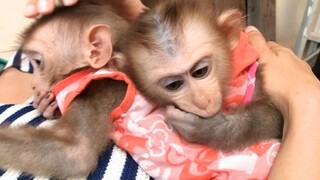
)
(45, 102)
(51, 111)
(174, 113)
(38, 98)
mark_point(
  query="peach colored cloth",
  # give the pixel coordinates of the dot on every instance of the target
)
(140, 129)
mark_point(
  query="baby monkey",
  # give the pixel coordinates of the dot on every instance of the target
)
(178, 53)
(69, 40)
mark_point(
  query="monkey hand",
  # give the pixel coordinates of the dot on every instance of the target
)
(44, 102)
(193, 128)
(220, 131)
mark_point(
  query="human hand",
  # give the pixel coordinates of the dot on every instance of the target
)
(128, 9)
(45, 103)
(296, 91)
(285, 76)
(36, 7)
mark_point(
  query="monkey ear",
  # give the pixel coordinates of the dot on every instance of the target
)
(99, 45)
(232, 23)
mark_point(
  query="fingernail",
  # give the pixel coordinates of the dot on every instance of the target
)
(251, 29)
(69, 2)
(43, 6)
(47, 96)
(53, 104)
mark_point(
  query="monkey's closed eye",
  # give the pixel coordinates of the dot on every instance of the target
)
(36, 60)
(172, 83)
(200, 70)
(33, 56)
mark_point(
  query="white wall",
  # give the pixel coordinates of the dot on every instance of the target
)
(289, 14)
(12, 22)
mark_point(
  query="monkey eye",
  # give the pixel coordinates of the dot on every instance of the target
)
(172, 83)
(200, 70)
(36, 59)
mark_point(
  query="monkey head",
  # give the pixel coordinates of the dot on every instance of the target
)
(179, 53)
(70, 39)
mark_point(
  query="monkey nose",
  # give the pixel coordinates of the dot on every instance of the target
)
(201, 102)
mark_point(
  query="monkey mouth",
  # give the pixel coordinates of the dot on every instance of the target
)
(177, 107)
(201, 115)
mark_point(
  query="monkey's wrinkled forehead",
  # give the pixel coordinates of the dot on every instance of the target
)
(163, 27)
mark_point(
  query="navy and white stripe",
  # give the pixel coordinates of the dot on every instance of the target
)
(114, 164)
(20, 62)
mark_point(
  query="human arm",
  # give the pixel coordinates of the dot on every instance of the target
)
(296, 91)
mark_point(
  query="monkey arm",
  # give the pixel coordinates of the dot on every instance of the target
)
(71, 147)
(234, 130)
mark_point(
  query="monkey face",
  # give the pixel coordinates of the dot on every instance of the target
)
(197, 91)
(37, 52)
(51, 62)
(192, 80)
(38, 81)
(181, 55)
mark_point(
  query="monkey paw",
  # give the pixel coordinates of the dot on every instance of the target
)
(187, 124)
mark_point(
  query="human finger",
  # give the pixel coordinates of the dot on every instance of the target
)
(45, 6)
(273, 46)
(31, 9)
(69, 2)
(277, 48)
(257, 40)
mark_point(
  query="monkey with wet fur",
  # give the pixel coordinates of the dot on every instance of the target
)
(178, 54)
(70, 40)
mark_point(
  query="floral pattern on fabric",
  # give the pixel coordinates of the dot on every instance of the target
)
(141, 130)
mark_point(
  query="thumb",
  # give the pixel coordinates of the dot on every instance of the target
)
(257, 41)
